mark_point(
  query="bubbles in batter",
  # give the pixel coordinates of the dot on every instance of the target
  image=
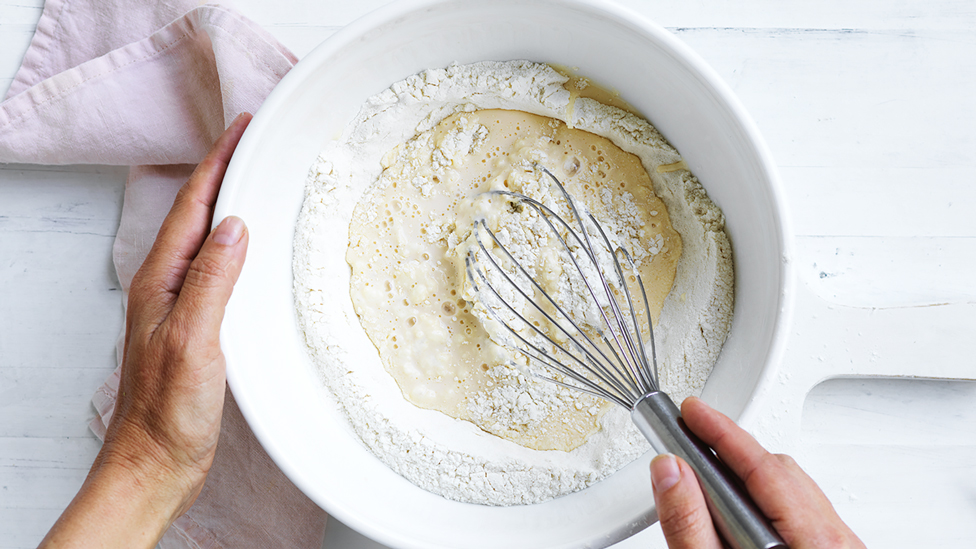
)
(408, 289)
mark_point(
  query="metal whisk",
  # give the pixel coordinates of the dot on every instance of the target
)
(610, 361)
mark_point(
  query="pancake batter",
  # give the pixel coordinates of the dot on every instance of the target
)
(408, 283)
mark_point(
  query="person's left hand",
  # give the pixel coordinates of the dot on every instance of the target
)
(162, 438)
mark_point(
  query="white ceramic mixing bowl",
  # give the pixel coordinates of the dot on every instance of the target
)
(269, 372)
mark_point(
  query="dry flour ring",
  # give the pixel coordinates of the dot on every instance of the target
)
(408, 357)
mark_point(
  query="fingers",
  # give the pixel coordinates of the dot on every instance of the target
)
(681, 506)
(185, 227)
(763, 474)
(209, 281)
(792, 501)
(736, 447)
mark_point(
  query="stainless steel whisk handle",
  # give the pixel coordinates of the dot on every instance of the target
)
(735, 515)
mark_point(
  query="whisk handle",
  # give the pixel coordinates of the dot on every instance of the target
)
(735, 515)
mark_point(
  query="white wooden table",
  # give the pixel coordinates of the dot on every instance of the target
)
(869, 107)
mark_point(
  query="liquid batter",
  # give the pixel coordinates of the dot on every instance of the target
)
(408, 286)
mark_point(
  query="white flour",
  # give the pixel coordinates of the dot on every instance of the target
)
(451, 457)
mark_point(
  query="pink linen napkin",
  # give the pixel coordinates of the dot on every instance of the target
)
(151, 85)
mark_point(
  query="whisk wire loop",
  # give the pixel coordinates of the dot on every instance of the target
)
(640, 362)
(624, 363)
(624, 375)
(615, 308)
(647, 310)
(545, 212)
(546, 359)
(537, 286)
(649, 381)
(595, 367)
(547, 215)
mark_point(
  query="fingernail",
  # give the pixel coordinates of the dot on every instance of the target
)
(664, 472)
(230, 231)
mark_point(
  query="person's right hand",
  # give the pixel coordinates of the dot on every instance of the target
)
(794, 504)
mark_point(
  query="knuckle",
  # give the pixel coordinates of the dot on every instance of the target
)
(786, 460)
(832, 538)
(205, 272)
(136, 287)
(181, 195)
(180, 343)
(147, 295)
(186, 348)
(683, 522)
(788, 465)
(775, 462)
(144, 286)
(171, 340)
(769, 465)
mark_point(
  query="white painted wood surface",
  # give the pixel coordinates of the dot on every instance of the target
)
(869, 109)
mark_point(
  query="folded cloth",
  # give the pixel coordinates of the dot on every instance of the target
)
(151, 85)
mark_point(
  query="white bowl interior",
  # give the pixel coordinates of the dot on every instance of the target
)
(270, 374)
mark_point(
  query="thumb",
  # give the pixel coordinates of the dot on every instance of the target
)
(681, 506)
(210, 279)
